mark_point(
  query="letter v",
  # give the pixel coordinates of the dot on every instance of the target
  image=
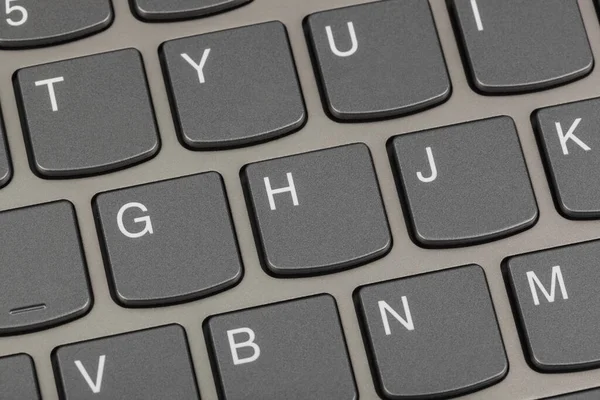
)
(95, 386)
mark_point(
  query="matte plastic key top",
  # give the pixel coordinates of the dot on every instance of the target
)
(377, 60)
(87, 115)
(17, 378)
(153, 364)
(432, 336)
(293, 350)
(161, 10)
(557, 304)
(569, 141)
(317, 212)
(44, 279)
(5, 162)
(168, 241)
(234, 87)
(592, 394)
(43, 22)
(522, 45)
(464, 184)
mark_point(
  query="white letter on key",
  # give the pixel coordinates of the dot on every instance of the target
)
(433, 175)
(570, 136)
(291, 188)
(145, 219)
(477, 15)
(95, 386)
(384, 309)
(248, 343)
(334, 48)
(50, 83)
(556, 276)
(198, 67)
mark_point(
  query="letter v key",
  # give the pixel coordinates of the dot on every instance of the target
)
(95, 386)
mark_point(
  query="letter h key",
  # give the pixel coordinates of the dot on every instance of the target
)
(291, 188)
(317, 212)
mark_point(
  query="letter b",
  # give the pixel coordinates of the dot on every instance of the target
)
(234, 346)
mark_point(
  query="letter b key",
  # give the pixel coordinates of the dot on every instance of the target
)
(296, 348)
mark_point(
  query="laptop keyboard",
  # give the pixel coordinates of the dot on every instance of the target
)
(324, 200)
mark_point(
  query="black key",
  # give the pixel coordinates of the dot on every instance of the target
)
(293, 350)
(233, 87)
(317, 212)
(380, 59)
(26, 23)
(153, 364)
(44, 278)
(569, 142)
(5, 164)
(464, 184)
(160, 10)
(169, 241)
(87, 115)
(555, 296)
(513, 46)
(17, 378)
(432, 336)
(592, 394)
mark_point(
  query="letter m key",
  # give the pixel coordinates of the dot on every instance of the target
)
(535, 284)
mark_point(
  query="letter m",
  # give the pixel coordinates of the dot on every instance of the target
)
(556, 277)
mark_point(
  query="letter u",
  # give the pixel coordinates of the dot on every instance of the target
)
(333, 46)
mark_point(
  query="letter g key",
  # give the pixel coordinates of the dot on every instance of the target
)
(145, 219)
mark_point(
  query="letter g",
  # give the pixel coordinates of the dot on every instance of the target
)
(145, 219)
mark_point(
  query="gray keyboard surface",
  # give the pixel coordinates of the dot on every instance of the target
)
(282, 199)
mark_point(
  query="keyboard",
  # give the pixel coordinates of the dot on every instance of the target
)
(299, 200)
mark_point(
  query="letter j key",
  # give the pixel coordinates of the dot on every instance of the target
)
(464, 184)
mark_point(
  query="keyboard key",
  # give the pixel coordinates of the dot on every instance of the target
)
(439, 325)
(160, 10)
(513, 46)
(44, 280)
(110, 368)
(592, 394)
(5, 164)
(17, 378)
(234, 87)
(556, 299)
(168, 241)
(378, 60)
(569, 144)
(87, 115)
(293, 350)
(39, 23)
(464, 184)
(317, 212)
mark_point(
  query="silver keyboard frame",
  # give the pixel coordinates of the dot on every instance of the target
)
(256, 287)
